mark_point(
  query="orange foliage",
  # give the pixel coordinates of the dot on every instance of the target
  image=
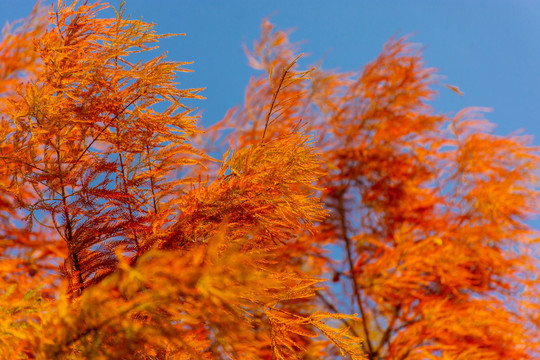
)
(428, 213)
(109, 250)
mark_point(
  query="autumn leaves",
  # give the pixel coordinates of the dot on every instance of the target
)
(133, 250)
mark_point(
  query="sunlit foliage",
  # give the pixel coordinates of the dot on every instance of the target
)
(428, 212)
(121, 238)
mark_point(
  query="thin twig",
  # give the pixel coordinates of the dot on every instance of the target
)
(103, 129)
(25, 163)
(276, 92)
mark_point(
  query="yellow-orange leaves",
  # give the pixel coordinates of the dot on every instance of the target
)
(428, 212)
(418, 218)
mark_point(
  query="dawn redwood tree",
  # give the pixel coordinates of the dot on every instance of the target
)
(428, 212)
(117, 243)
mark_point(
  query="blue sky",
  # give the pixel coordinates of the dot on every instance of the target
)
(489, 49)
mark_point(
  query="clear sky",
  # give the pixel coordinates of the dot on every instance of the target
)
(489, 49)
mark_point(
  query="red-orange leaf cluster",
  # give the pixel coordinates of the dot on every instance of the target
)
(110, 250)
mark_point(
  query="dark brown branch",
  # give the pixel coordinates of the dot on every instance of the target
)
(388, 331)
(76, 268)
(130, 210)
(341, 211)
(152, 184)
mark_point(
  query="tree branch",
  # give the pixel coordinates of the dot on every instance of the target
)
(341, 212)
(281, 80)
